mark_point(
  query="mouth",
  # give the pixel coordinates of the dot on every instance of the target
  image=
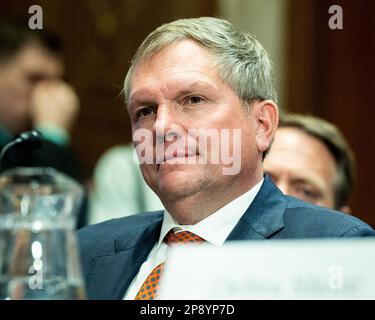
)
(176, 155)
(171, 158)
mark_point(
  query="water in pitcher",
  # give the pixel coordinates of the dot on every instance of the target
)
(38, 249)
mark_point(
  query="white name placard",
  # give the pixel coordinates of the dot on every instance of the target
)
(284, 269)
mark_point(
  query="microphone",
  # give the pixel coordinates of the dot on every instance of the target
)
(25, 142)
(31, 139)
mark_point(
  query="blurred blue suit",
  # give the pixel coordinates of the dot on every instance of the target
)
(112, 252)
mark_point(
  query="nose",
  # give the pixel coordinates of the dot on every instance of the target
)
(167, 124)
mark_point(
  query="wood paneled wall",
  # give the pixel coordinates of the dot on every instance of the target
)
(332, 75)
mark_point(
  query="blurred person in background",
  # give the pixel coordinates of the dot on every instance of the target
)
(119, 188)
(33, 96)
(311, 160)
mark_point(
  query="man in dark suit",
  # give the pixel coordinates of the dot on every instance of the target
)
(199, 90)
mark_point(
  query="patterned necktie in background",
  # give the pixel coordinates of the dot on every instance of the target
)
(150, 287)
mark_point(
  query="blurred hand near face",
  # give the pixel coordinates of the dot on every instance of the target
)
(54, 103)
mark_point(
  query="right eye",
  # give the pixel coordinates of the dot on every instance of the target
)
(144, 112)
(307, 193)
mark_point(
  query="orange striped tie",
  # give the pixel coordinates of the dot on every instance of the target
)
(150, 287)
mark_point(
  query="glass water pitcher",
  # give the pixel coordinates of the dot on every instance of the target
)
(38, 250)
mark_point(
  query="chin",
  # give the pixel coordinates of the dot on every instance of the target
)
(179, 183)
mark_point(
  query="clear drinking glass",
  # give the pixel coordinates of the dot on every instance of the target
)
(38, 250)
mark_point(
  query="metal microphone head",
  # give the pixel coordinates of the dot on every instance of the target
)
(32, 139)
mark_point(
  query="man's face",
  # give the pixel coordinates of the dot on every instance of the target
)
(302, 166)
(18, 77)
(175, 91)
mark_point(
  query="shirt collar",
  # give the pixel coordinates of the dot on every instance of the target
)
(216, 227)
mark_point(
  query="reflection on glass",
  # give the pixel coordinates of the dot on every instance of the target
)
(38, 250)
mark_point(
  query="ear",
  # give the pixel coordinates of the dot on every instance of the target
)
(267, 117)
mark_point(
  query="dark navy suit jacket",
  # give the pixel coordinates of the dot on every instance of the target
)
(112, 252)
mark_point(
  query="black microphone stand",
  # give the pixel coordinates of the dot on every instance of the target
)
(16, 150)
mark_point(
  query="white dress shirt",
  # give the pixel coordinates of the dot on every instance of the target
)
(214, 229)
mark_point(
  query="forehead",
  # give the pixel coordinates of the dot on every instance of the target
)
(301, 153)
(176, 63)
(293, 139)
(34, 58)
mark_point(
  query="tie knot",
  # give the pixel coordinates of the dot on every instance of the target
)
(182, 237)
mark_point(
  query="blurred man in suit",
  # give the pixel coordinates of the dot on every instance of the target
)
(311, 160)
(32, 95)
(199, 75)
(119, 189)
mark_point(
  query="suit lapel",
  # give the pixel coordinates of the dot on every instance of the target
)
(110, 275)
(265, 215)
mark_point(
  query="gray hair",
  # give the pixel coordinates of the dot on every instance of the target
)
(242, 62)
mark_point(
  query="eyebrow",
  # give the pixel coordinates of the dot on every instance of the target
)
(308, 181)
(299, 180)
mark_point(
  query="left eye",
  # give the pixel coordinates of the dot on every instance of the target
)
(195, 100)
